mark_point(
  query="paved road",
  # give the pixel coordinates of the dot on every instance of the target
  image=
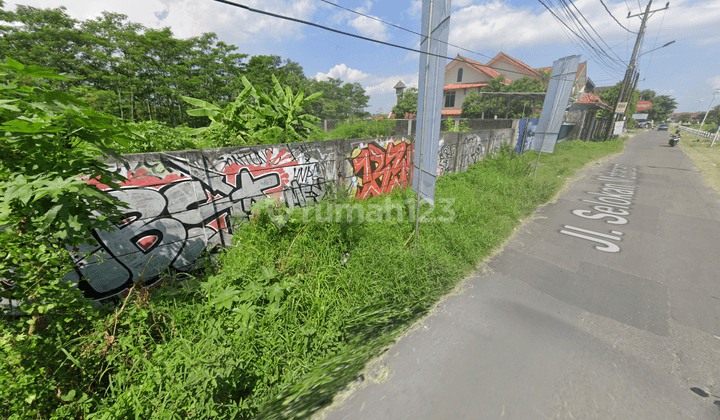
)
(604, 306)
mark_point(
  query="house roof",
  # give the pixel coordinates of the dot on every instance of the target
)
(591, 99)
(400, 85)
(464, 86)
(643, 106)
(502, 56)
(479, 67)
(580, 68)
(451, 111)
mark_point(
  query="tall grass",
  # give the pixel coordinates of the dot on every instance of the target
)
(288, 316)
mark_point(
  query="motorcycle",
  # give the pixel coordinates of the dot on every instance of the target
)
(674, 139)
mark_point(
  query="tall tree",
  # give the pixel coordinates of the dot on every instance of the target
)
(338, 102)
(663, 107)
(407, 104)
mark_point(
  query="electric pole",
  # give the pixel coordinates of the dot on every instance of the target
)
(630, 72)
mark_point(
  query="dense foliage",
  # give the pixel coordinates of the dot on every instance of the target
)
(291, 314)
(140, 74)
(663, 105)
(49, 145)
(259, 117)
(474, 103)
(610, 97)
(407, 104)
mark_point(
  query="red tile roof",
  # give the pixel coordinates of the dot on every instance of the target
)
(643, 106)
(475, 65)
(500, 56)
(451, 111)
(464, 86)
(592, 99)
(407, 116)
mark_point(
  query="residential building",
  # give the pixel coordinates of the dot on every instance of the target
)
(464, 76)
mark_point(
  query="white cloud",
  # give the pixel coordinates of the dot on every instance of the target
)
(497, 24)
(714, 82)
(370, 28)
(188, 18)
(415, 9)
(385, 85)
(342, 72)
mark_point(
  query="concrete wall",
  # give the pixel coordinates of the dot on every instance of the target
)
(182, 203)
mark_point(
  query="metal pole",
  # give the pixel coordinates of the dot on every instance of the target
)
(716, 135)
(424, 126)
(708, 111)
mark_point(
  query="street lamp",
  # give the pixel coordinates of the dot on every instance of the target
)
(654, 49)
(708, 111)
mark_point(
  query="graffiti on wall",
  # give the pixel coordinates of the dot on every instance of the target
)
(379, 166)
(446, 157)
(179, 207)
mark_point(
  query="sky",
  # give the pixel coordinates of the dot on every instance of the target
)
(687, 70)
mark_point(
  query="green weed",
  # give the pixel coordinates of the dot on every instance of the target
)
(291, 313)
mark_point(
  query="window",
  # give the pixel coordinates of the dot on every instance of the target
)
(459, 75)
(450, 100)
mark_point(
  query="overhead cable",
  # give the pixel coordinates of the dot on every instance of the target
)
(611, 15)
(401, 28)
(591, 27)
(292, 19)
(593, 51)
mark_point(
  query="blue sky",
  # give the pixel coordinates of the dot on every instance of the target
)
(688, 70)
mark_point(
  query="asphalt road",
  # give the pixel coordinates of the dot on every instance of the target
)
(605, 306)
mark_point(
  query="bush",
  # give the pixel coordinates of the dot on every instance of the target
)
(360, 129)
(49, 143)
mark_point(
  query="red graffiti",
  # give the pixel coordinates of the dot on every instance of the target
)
(140, 179)
(271, 162)
(219, 224)
(382, 170)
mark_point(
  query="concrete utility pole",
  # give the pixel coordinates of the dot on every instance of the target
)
(630, 72)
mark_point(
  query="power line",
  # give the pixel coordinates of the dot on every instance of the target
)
(263, 12)
(242, 6)
(401, 28)
(593, 51)
(593, 29)
(611, 15)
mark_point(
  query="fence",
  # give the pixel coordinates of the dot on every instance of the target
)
(697, 132)
(181, 203)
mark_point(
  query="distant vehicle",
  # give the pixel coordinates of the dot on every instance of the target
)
(663, 126)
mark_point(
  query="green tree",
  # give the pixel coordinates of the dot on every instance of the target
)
(49, 144)
(407, 104)
(338, 102)
(473, 104)
(663, 107)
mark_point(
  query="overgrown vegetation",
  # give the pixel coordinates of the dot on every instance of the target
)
(279, 323)
(359, 129)
(476, 102)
